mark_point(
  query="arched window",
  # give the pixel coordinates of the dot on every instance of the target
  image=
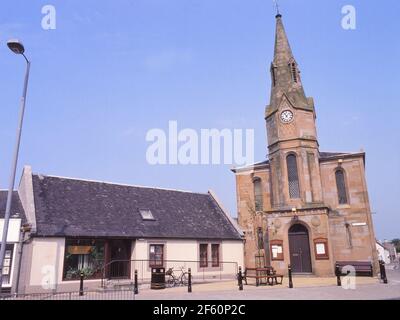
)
(293, 176)
(258, 197)
(341, 186)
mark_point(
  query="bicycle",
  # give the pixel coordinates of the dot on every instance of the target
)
(174, 280)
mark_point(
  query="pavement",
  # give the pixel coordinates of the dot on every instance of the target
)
(305, 288)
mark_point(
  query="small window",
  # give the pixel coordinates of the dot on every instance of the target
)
(156, 255)
(215, 255)
(203, 255)
(348, 235)
(258, 196)
(146, 214)
(341, 187)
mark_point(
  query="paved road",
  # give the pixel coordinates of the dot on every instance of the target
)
(375, 291)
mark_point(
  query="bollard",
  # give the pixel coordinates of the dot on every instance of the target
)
(136, 288)
(81, 284)
(240, 279)
(189, 280)
(290, 276)
(337, 273)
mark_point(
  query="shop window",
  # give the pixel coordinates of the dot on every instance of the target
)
(7, 265)
(85, 256)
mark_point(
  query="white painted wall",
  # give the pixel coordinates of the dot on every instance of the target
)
(12, 238)
(187, 254)
(47, 262)
(47, 259)
(13, 230)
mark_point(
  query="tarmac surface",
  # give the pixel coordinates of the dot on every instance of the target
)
(305, 288)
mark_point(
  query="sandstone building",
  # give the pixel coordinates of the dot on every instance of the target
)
(302, 206)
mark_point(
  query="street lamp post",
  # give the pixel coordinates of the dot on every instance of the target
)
(18, 48)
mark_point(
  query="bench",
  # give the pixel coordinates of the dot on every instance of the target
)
(362, 268)
(268, 274)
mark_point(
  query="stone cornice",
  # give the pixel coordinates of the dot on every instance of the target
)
(299, 212)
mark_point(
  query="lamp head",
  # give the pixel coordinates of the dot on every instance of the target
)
(16, 46)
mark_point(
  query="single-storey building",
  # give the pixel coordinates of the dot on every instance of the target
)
(109, 230)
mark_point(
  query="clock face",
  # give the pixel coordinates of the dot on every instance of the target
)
(287, 116)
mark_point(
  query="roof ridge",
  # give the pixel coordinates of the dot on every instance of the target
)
(342, 152)
(117, 184)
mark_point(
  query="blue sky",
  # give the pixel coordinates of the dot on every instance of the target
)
(112, 70)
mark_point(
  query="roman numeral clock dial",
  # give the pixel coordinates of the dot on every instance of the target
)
(287, 116)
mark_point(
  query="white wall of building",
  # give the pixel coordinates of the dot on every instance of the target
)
(13, 230)
(45, 271)
(186, 254)
(47, 262)
(13, 235)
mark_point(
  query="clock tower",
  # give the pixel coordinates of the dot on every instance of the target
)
(292, 138)
(302, 207)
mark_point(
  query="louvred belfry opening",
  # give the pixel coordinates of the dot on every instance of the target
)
(293, 177)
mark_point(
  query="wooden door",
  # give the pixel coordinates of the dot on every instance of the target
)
(120, 256)
(299, 247)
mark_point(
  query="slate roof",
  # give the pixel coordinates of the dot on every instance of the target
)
(16, 206)
(323, 156)
(80, 208)
(327, 156)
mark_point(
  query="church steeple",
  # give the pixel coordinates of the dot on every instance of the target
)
(285, 74)
(282, 52)
(292, 135)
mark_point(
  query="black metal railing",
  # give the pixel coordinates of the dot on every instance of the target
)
(75, 295)
(125, 269)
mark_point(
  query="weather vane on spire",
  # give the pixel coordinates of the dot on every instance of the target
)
(276, 5)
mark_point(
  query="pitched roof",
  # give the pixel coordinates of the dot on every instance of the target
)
(323, 156)
(80, 208)
(16, 206)
(326, 156)
(254, 166)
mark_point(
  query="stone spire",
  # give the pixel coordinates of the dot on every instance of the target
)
(282, 52)
(285, 75)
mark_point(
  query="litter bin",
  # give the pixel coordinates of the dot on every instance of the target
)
(157, 278)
